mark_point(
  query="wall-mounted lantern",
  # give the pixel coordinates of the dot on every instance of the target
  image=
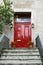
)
(32, 25)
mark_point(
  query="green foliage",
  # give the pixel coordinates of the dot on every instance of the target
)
(30, 43)
(6, 13)
(1, 27)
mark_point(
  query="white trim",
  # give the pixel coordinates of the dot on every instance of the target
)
(22, 10)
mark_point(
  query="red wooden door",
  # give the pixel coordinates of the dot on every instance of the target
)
(22, 32)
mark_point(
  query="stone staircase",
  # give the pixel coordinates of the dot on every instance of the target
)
(20, 57)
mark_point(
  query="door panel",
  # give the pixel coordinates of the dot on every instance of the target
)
(26, 32)
(17, 32)
(22, 32)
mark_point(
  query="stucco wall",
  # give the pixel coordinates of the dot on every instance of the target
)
(37, 15)
(36, 7)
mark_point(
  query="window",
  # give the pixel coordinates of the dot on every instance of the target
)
(22, 19)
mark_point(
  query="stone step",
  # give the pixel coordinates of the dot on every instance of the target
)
(20, 62)
(20, 50)
(21, 57)
(26, 53)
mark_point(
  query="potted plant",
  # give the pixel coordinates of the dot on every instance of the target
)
(13, 44)
(31, 44)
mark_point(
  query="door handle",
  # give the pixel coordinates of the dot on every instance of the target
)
(18, 40)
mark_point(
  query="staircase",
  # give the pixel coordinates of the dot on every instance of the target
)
(20, 56)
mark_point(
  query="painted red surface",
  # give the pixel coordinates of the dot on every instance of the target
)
(22, 33)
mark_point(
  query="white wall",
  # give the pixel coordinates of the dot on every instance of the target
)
(37, 16)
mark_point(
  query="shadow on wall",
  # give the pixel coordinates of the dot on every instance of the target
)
(39, 46)
(4, 42)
